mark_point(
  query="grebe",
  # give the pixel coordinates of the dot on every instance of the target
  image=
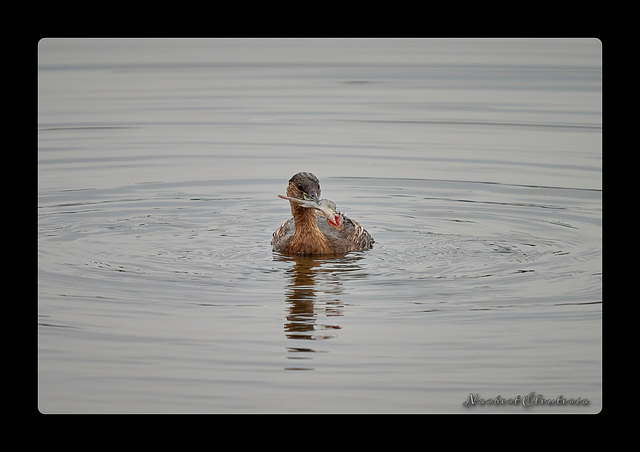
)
(304, 234)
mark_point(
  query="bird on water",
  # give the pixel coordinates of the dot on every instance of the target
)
(327, 232)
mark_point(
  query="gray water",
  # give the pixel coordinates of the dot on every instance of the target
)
(475, 164)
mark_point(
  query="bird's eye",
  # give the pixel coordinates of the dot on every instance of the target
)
(300, 187)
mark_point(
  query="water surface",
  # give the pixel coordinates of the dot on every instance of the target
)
(475, 164)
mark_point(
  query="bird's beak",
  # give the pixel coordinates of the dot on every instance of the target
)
(311, 202)
(313, 196)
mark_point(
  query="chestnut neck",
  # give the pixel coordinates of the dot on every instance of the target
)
(308, 239)
(304, 218)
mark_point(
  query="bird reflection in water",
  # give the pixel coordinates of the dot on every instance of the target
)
(313, 295)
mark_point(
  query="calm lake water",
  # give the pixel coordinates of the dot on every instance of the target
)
(475, 164)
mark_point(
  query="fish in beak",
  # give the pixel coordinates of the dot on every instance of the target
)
(325, 207)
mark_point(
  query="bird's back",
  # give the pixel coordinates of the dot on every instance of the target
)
(353, 238)
(283, 235)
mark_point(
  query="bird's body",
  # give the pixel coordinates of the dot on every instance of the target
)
(311, 233)
(329, 241)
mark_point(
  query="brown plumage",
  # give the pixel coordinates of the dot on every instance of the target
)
(309, 233)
